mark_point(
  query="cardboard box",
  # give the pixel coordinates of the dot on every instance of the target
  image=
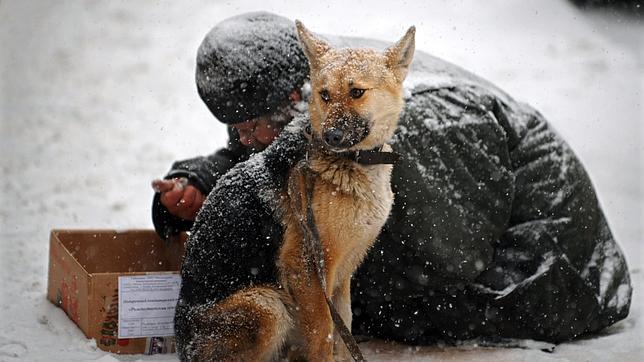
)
(84, 269)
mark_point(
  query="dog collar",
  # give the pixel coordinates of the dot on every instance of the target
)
(371, 157)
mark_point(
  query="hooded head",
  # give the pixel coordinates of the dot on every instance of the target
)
(248, 64)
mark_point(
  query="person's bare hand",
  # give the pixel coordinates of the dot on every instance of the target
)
(180, 198)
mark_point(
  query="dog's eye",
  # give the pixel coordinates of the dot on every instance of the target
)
(356, 93)
(324, 94)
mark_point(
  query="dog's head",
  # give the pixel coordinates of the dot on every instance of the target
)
(357, 94)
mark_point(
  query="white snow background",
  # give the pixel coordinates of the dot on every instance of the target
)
(98, 98)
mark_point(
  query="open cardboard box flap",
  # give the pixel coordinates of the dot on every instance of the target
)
(84, 266)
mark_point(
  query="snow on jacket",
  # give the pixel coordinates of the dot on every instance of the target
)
(495, 230)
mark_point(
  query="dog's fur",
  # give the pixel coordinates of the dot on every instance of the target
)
(350, 202)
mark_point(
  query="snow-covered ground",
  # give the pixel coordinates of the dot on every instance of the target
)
(98, 98)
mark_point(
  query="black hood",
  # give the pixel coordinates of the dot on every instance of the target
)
(247, 65)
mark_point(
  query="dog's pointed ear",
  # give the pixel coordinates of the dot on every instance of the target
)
(400, 55)
(313, 46)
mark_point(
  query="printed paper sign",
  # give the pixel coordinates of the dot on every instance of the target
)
(147, 304)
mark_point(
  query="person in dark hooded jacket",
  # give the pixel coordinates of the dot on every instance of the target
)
(495, 230)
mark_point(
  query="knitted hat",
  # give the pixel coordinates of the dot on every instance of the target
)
(248, 64)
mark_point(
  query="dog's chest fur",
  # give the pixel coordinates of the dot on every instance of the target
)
(351, 203)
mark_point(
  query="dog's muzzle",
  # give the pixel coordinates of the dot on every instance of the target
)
(334, 137)
(346, 133)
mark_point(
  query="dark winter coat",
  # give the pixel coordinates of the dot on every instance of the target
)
(495, 230)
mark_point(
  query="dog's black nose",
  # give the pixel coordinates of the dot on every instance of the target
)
(333, 137)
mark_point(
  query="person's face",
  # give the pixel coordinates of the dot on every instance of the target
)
(261, 131)
(258, 132)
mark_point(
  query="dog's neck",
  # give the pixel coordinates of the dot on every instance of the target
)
(351, 172)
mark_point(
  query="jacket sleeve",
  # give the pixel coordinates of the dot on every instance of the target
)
(234, 241)
(232, 245)
(202, 172)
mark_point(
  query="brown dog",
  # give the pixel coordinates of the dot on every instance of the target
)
(355, 106)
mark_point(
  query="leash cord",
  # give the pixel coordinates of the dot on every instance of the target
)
(313, 247)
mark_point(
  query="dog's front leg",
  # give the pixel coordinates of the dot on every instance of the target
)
(311, 311)
(314, 319)
(342, 302)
